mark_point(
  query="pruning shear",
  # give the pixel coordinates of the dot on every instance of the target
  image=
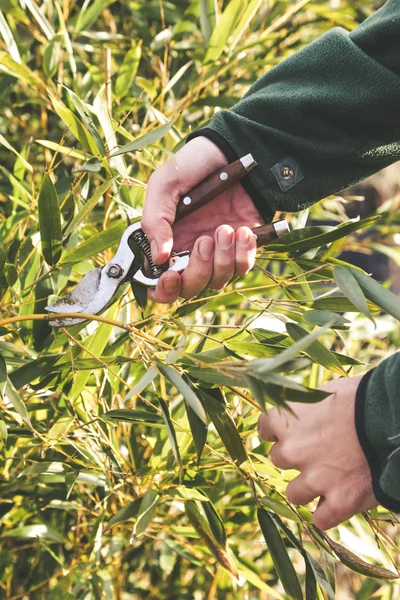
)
(133, 260)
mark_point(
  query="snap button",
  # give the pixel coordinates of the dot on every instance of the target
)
(287, 173)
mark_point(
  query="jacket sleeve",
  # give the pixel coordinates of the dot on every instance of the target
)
(377, 420)
(323, 119)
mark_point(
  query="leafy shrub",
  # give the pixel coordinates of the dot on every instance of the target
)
(131, 467)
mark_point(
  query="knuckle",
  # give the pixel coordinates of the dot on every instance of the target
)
(282, 455)
(291, 493)
(329, 516)
(242, 268)
(325, 521)
(188, 292)
(216, 285)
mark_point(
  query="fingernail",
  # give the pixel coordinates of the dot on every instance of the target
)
(154, 249)
(243, 237)
(171, 284)
(224, 238)
(206, 248)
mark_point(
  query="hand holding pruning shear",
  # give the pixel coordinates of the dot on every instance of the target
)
(207, 246)
(218, 234)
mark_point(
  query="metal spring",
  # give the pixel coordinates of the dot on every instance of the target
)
(142, 241)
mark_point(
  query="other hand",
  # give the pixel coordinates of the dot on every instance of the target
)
(218, 234)
(320, 441)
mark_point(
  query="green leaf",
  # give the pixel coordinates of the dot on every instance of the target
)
(215, 523)
(212, 376)
(223, 30)
(316, 351)
(21, 71)
(133, 415)
(103, 114)
(251, 349)
(52, 55)
(218, 413)
(34, 531)
(3, 376)
(143, 382)
(91, 166)
(17, 402)
(311, 563)
(127, 71)
(77, 128)
(379, 295)
(72, 152)
(145, 140)
(265, 365)
(350, 287)
(7, 145)
(84, 113)
(199, 430)
(280, 390)
(267, 337)
(252, 7)
(95, 347)
(124, 514)
(187, 392)
(89, 14)
(316, 240)
(335, 303)
(186, 493)
(88, 207)
(284, 510)
(49, 222)
(148, 507)
(96, 244)
(202, 530)
(9, 39)
(208, 17)
(172, 436)
(279, 555)
(3, 432)
(323, 317)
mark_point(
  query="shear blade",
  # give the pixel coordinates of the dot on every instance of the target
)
(90, 296)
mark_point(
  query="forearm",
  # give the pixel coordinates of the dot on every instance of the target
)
(378, 428)
(329, 113)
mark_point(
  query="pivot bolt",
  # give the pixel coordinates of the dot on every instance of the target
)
(115, 271)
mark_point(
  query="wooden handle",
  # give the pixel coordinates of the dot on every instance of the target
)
(270, 232)
(213, 185)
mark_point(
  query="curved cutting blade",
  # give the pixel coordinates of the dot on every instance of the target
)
(97, 287)
(90, 296)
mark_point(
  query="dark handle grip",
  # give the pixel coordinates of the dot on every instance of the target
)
(211, 187)
(265, 234)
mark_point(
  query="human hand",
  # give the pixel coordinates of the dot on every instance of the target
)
(218, 234)
(320, 441)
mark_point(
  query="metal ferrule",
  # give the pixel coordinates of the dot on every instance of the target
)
(281, 227)
(248, 162)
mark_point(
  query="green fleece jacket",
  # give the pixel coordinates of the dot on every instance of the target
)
(324, 119)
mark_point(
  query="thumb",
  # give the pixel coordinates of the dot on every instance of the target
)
(159, 211)
(190, 165)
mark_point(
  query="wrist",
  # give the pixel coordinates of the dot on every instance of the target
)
(376, 451)
(209, 149)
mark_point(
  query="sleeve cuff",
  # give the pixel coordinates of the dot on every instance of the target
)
(368, 449)
(258, 201)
